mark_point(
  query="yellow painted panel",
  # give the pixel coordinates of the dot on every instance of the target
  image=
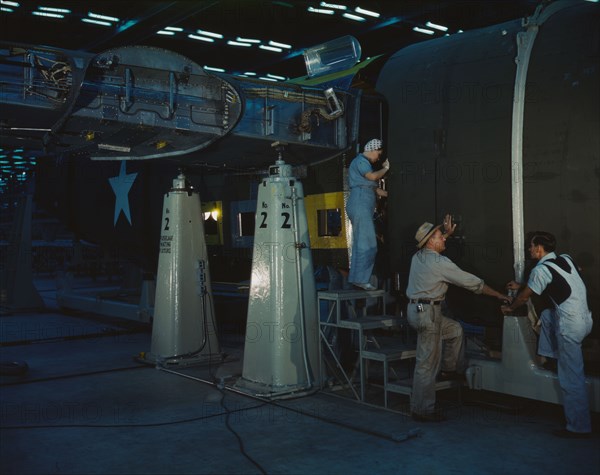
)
(325, 201)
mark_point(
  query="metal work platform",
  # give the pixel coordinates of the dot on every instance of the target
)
(371, 347)
(356, 320)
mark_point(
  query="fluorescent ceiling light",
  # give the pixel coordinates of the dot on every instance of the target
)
(334, 5)
(6, 9)
(322, 11)
(237, 43)
(47, 14)
(201, 38)
(250, 73)
(173, 28)
(437, 27)
(280, 45)
(163, 32)
(353, 17)
(264, 78)
(276, 77)
(55, 10)
(247, 40)
(423, 30)
(9, 4)
(96, 22)
(210, 33)
(367, 12)
(271, 48)
(97, 16)
(210, 68)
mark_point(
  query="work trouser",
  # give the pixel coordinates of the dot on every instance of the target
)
(439, 342)
(359, 209)
(561, 338)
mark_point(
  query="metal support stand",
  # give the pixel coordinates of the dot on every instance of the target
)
(281, 350)
(17, 292)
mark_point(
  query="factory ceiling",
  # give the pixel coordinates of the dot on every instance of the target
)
(219, 34)
(261, 38)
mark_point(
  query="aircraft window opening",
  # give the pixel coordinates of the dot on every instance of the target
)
(246, 224)
(329, 222)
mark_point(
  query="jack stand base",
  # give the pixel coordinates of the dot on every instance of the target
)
(182, 362)
(260, 390)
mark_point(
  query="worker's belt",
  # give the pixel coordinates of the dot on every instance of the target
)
(426, 302)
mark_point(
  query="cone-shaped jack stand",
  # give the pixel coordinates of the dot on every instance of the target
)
(184, 329)
(281, 346)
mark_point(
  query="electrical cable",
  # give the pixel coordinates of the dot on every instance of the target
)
(227, 411)
(237, 436)
(67, 376)
(204, 333)
(394, 438)
(297, 246)
(72, 337)
(120, 426)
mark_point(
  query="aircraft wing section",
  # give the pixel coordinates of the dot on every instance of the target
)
(138, 102)
(38, 86)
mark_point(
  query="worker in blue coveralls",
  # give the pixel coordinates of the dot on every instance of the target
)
(563, 327)
(364, 188)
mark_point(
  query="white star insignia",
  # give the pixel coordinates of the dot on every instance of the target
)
(121, 185)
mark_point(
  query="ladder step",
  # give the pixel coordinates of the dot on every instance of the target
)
(349, 294)
(404, 386)
(390, 353)
(369, 322)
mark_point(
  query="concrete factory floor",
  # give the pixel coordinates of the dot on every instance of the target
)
(86, 406)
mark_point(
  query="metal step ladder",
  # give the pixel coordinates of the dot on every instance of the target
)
(386, 355)
(357, 321)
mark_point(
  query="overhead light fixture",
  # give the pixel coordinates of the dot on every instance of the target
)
(362, 11)
(47, 14)
(173, 28)
(200, 38)
(53, 9)
(265, 78)
(322, 11)
(164, 32)
(96, 22)
(97, 16)
(280, 45)
(210, 33)
(350, 16)
(334, 6)
(9, 3)
(271, 48)
(423, 30)
(436, 27)
(247, 40)
(237, 43)
(210, 68)
(281, 78)
(250, 73)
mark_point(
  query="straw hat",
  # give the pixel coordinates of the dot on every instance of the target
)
(424, 232)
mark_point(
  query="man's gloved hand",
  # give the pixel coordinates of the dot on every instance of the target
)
(386, 164)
